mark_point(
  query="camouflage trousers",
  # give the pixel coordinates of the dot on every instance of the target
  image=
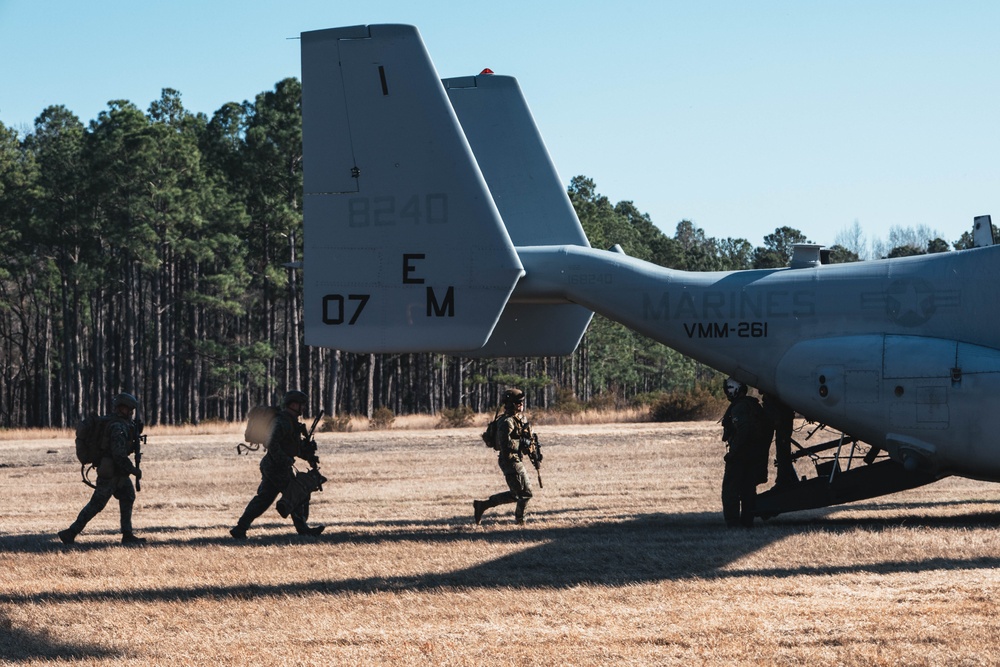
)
(119, 487)
(519, 489)
(739, 493)
(273, 481)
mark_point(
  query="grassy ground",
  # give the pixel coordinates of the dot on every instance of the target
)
(624, 560)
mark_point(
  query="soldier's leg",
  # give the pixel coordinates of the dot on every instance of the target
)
(730, 496)
(125, 493)
(266, 493)
(520, 486)
(748, 500)
(300, 518)
(783, 427)
(499, 499)
(480, 506)
(102, 494)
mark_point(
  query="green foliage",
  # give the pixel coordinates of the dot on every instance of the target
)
(936, 245)
(841, 255)
(339, 424)
(904, 251)
(777, 250)
(458, 417)
(695, 405)
(149, 251)
(382, 419)
(566, 402)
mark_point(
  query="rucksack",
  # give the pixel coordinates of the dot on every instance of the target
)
(260, 423)
(90, 439)
(490, 434)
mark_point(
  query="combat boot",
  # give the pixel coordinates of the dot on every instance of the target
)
(130, 539)
(282, 508)
(67, 536)
(478, 507)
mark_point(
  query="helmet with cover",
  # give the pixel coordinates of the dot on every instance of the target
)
(128, 400)
(294, 396)
(734, 389)
(512, 397)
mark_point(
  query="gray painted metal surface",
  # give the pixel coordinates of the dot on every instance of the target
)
(434, 221)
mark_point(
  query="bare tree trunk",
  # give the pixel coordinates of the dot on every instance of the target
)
(371, 386)
(334, 377)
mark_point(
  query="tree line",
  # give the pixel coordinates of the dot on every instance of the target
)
(148, 252)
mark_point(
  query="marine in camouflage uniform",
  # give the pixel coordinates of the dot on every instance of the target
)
(746, 460)
(509, 432)
(287, 441)
(113, 473)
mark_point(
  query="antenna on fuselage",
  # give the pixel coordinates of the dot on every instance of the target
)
(982, 231)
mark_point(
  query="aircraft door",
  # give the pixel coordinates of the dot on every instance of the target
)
(917, 372)
(835, 381)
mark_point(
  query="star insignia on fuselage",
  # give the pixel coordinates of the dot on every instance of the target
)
(910, 302)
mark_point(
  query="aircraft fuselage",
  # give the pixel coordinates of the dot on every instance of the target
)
(900, 353)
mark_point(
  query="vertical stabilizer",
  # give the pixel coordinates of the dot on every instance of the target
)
(982, 231)
(532, 202)
(405, 249)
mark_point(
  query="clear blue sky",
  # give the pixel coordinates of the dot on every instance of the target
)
(741, 116)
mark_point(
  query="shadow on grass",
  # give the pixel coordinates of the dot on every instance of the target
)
(612, 552)
(19, 645)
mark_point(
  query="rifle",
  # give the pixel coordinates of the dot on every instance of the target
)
(140, 439)
(303, 483)
(529, 445)
(311, 448)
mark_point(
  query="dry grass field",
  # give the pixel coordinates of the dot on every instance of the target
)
(624, 560)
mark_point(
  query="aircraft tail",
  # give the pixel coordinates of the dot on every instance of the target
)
(416, 192)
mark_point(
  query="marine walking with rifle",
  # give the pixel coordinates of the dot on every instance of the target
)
(511, 436)
(105, 443)
(287, 440)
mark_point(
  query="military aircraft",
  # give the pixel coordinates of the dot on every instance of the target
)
(436, 222)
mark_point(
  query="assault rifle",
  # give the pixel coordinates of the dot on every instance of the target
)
(310, 444)
(530, 446)
(138, 441)
(303, 483)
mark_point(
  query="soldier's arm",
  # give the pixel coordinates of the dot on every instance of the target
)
(509, 444)
(120, 446)
(742, 424)
(306, 449)
(280, 436)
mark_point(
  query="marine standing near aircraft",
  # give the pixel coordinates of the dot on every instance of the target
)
(435, 221)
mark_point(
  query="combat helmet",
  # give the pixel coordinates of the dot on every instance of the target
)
(294, 396)
(734, 389)
(126, 399)
(512, 397)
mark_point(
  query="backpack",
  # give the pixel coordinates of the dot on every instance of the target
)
(90, 439)
(260, 423)
(490, 434)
